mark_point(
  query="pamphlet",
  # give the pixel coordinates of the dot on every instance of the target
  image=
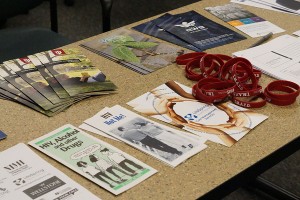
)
(74, 72)
(244, 20)
(152, 29)
(27, 71)
(27, 89)
(199, 31)
(2, 135)
(135, 51)
(173, 103)
(279, 58)
(94, 159)
(26, 176)
(162, 142)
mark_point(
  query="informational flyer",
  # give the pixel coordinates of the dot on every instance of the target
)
(134, 50)
(162, 142)
(26, 176)
(199, 31)
(105, 165)
(244, 20)
(173, 103)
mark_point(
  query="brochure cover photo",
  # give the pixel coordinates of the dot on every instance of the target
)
(164, 143)
(75, 73)
(173, 103)
(134, 50)
(94, 159)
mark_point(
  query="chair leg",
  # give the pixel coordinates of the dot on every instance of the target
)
(53, 15)
(106, 11)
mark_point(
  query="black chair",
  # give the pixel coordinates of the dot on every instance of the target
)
(19, 42)
(106, 12)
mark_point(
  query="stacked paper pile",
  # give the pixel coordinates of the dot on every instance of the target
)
(51, 81)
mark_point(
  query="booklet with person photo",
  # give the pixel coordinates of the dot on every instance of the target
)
(26, 176)
(94, 159)
(199, 31)
(162, 142)
(244, 20)
(26, 89)
(74, 72)
(27, 71)
(223, 123)
(134, 50)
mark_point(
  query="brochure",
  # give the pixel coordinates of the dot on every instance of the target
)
(199, 31)
(173, 103)
(94, 159)
(27, 71)
(162, 142)
(89, 128)
(26, 176)
(27, 89)
(278, 58)
(75, 73)
(135, 51)
(150, 28)
(244, 20)
(2, 135)
(59, 90)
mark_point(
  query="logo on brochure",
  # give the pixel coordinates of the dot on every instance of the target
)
(58, 52)
(19, 181)
(15, 165)
(25, 60)
(191, 27)
(106, 115)
(190, 117)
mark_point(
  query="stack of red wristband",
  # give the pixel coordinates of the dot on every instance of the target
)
(221, 77)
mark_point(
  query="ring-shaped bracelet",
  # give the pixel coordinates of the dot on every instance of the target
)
(250, 104)
(248, 93)
(185, 58)
(278, 101)
(248, 69)
(291, 89)
(218, 88)
(189, 70)
(210, 63)
(226, 68)
(198, 94)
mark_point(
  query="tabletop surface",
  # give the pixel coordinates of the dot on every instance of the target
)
(199, 174)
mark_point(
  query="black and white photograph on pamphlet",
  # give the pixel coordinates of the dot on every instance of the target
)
(164, 143)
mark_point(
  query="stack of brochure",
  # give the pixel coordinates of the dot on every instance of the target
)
(134, 51)
(51, 81)
(190, 30)
(166, 144)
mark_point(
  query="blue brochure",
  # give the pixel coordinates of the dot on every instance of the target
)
(150, 28)
(198, 30)
(2, 135)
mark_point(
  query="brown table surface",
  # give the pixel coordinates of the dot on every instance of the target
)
(199, 174)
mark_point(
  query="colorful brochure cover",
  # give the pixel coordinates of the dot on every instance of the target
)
(173, 103)
(27, 89)
(244, 20)
(135, 51)
(75, 73)
(162, 142)
(150, 28)
(199, 31)
(94, 159)
(59, 90)
(26, 70)
(26, 176)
